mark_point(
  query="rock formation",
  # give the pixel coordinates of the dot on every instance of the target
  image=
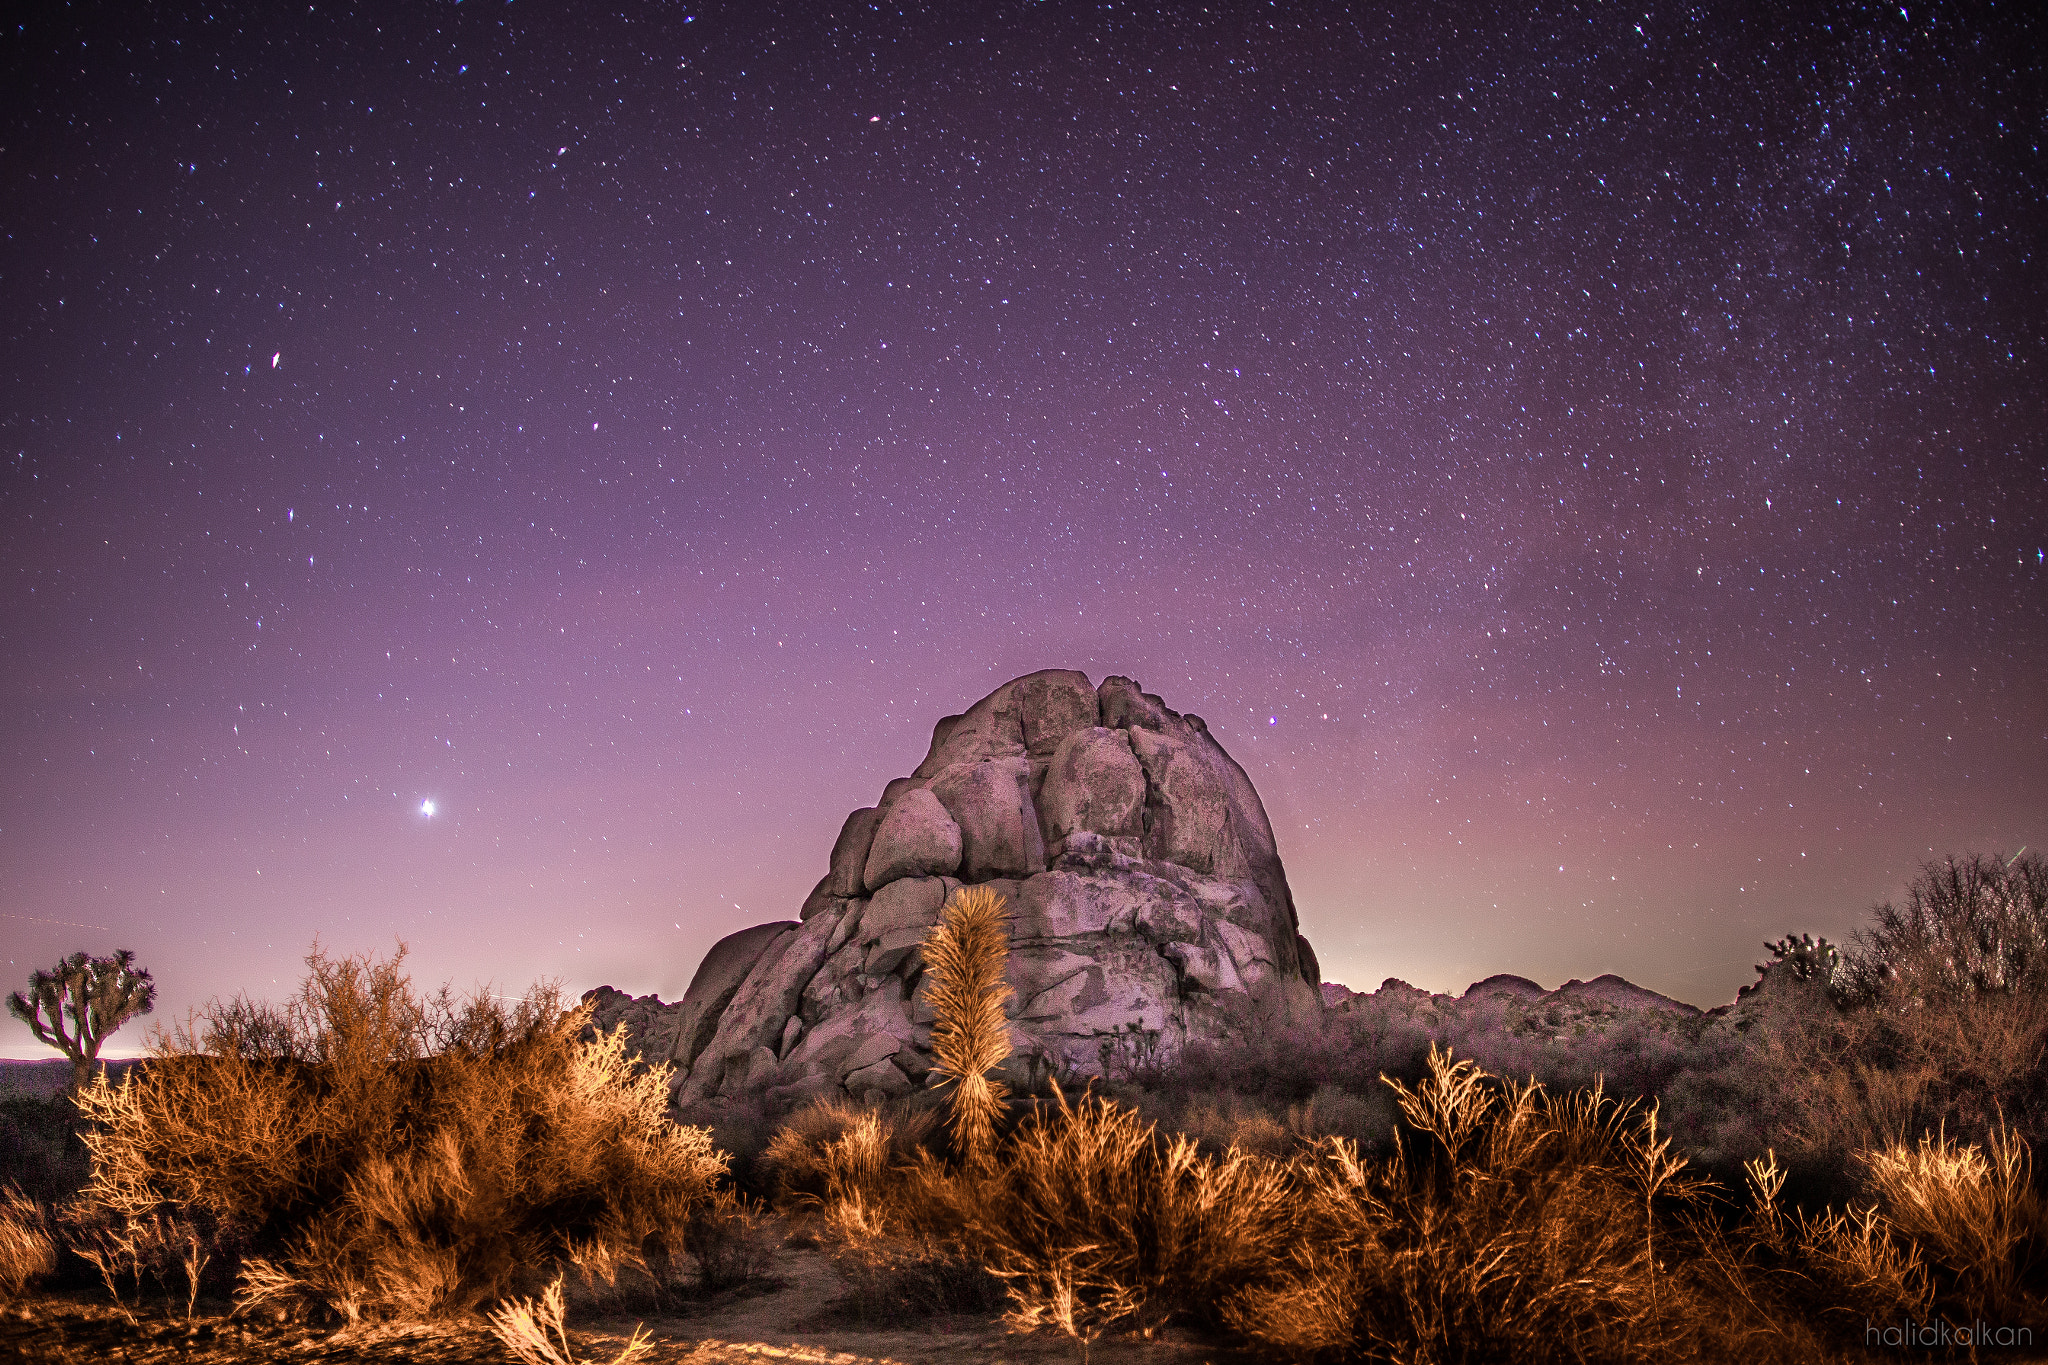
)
(1514, 1006)
(1148, 906)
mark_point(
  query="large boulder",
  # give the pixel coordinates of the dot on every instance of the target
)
(916, 838)
(1093, 783)
(717, 980)
(990, 801)
(1148, 906)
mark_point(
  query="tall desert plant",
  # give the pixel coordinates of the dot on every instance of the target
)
(97, 994)
(965, 955)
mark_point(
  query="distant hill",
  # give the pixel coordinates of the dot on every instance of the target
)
(47, 1077)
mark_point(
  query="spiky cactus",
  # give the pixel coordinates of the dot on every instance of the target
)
(1810, 957)
(964, 959)
(99, 994)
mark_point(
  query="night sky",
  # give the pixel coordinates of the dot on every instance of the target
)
(1589, 467)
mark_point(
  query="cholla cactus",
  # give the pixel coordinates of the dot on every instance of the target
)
(98, 993)
(1810, 957)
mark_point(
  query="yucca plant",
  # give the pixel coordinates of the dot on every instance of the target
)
(965, 955)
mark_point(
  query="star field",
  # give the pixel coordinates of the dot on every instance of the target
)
(513, 478)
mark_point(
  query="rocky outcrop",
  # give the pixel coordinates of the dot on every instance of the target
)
(1515, 1007)
(1147, 899)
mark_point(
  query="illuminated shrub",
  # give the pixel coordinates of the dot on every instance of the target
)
(387, 1155)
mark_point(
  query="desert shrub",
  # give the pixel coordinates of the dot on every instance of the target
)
(1368, 1119)
(1279, 1066)
(1093, 1218)
(1514, 1224)
(907, 1256)
(831, 1146)
(1634, 1057)
(388, 1155)
(1219, 1120)
(893, 1217)
(173, 1250)
(1949, 1232)
(733, 1240)
(535, 1331)
(28, 1250)
(1730, 1114)
(1936, 1022)
(1083, 1217)
(1506, 1222)
(1971, 925)
(741, 1126)
(1823, 1085)
(1973, 1213)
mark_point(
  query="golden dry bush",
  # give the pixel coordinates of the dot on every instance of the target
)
(964, 956)
(894, 1218)
(811, 1155)
(1094, 1219)
(1971, 1211)
(1219, 1121)
(1860, 1267)
(831, 1168)
(734, 1240)
(392, 1156)
(27, 1250)
(1900, 1064)
(534, 1331)
(1512, 1224)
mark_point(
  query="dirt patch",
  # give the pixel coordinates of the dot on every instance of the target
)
(796, 1318)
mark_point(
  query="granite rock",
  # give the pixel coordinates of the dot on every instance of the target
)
(1148, 907)
(916, 838)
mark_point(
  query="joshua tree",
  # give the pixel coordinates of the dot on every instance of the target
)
(99, 993)
(964, 957)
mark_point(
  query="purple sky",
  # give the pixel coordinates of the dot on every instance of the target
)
(1587, 467)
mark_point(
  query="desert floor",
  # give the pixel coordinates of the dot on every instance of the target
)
(792, 1319)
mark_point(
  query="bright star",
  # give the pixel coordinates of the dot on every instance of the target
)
(427, 808)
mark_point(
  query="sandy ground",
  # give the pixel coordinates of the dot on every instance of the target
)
(792, 1320)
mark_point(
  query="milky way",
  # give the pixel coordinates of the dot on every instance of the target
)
(512, 477)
